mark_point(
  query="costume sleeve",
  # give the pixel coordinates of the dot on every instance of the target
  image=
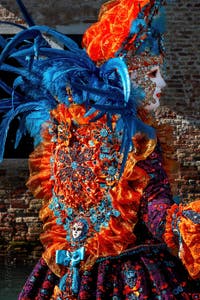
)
(157, 197)
(182, 235)
(177, 225)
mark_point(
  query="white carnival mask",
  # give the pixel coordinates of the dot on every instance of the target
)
(145, 73)
(157, 79)
(77, 230)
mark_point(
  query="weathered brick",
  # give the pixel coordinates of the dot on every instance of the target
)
(18, 203)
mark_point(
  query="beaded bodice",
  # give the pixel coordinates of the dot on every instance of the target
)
(88, 203)
(85, 165)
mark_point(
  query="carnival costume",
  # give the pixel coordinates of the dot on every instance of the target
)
(111, 228)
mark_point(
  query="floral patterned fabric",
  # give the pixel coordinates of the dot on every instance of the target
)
(146, 272)
(40, 283)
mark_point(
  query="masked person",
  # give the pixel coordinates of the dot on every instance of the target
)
(111, 228)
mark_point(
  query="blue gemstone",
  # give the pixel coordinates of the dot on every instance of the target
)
(59, 221)
(69, 211)
(104, 132)
(116, 213)
(74, 165)
(111, 171)
(91, 143)
(93, 219)
(105, 224)
(56, 213)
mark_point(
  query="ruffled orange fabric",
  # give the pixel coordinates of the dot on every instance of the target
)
(105, 37)
(126, 195)
(186, 241)
(119, 235)
(39, 182)
(53, 238)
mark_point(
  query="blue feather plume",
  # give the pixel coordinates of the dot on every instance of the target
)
(2, 42)
(41, 78)
(27, 17)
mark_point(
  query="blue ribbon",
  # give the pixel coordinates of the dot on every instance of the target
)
(72, 260)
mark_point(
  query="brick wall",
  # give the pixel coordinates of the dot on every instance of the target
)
(180, 108)
(181, 103)
(19, 224)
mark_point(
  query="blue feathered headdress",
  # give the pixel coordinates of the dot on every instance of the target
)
(42, 74)
(149, 28)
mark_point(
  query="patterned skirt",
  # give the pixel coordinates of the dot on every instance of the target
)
(145, 272)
